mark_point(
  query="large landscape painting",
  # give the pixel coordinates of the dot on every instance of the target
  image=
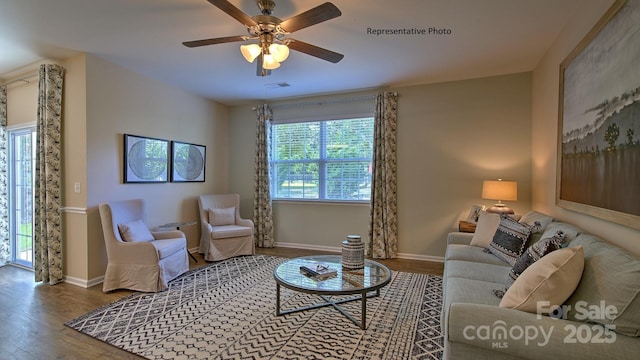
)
(599, 162)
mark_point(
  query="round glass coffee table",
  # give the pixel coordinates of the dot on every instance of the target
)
(364, 282)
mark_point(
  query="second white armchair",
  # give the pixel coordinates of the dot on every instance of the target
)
(224, 233)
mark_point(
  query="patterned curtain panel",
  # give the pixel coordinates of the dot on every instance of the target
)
(48, 233)
(262, 212)
(383, 224)
(4, 172)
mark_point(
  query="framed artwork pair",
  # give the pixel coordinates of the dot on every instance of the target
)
(151, 160)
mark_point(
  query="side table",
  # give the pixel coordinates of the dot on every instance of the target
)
(177, 226)
(465, 226)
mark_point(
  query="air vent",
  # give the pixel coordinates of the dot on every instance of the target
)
(277, 85)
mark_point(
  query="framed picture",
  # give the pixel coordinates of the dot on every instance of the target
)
(599, 120)
(474, 213)
(145, 159)
(187, 162)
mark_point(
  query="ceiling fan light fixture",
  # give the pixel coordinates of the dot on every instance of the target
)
(271, 32)
(269, 62)
(280, 52)
(250, 52)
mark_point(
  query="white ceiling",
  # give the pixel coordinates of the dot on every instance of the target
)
(488, 37)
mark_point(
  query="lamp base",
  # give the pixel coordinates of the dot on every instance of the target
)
(500, 209)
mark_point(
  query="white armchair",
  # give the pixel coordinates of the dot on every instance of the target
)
(224, 234)
(143, 260)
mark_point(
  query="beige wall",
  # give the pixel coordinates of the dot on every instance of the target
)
(103, 102)
(545, 99)
(76, 247)
(22, 103)
(451, 136)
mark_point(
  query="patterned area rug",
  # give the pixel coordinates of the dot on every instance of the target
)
(226, 310)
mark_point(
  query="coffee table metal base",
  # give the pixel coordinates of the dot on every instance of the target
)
(336, 304)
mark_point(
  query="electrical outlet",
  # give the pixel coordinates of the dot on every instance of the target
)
(76, 188)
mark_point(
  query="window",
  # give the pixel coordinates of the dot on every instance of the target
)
(322, 160)
(21, 181)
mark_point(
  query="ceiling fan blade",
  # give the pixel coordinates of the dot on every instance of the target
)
(220, 40)
(234, 12)
(318, 14)
(313, 50)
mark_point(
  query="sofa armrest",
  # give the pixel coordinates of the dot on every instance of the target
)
(459, 238)
(526, 335)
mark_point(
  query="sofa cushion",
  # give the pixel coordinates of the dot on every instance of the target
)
(534, 253)
(472, 253)
(221, 217)
(611, 280)
(168, 247)
(460, 290)
(135, 231)
(510, 239)
(551, 279)
(485, 229)
(476, 271)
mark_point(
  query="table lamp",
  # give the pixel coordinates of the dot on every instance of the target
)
(500, 190)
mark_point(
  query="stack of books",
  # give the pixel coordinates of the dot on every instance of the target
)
(318, 272)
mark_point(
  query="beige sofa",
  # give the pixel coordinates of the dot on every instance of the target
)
(600, 319)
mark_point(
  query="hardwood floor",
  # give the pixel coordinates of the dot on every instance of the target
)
(32, 316)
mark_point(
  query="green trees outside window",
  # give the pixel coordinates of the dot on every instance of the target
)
(323, 160)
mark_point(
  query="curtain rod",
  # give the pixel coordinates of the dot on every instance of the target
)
(322, 102)
(23, 78)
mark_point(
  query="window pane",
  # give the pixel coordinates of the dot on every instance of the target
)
(322, 160)
(296, 180)
(297, 141)
(349, 139)
(349, 180)
(21, 194)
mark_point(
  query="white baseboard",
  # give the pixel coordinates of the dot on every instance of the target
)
(100, 279)
(332, 249)
(335, 249)
(84, 283)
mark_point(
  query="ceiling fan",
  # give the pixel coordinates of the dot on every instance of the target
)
(271, 32)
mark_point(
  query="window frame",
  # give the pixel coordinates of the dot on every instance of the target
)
(322, 161)
(12, 133)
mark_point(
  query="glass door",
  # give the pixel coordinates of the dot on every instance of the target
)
(21, 185)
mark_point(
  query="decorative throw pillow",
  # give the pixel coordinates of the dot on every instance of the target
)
(220, 217)
(538, 221)
(611, 280)
(509, 240)
(551, 279)
(485, 229)
(135, 231)
(534, 253)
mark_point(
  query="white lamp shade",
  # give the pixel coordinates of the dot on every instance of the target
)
(250, 52)
(280, 52)
(500, 190)
(269, 62)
